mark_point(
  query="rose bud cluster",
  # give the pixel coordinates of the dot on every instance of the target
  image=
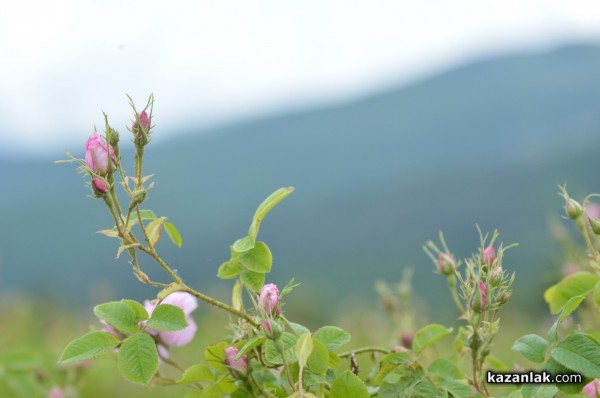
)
(101, 159)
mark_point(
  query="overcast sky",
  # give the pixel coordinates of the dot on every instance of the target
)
(63, 61)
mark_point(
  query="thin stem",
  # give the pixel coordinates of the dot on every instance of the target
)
(219, 304)
(285, 363)
(162, 263)
(363, 350)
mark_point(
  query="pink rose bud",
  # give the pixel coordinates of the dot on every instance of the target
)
(267, 326)
(241, 364)
(268, 300)
(489, 255)
(97, 154)
(141, 134)
(573, 208)
(99, 186)
(446, 264)
(406, 339)
(482, 290)
(592, 388)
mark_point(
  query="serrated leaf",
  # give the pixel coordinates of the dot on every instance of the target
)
(333, 337)
(173, 234)
(229, 270)
(272, 354)
(318, 361)
(138, 358)
(140, 312)
(532, 347)
(147, 214)
(215, 356)
(257, 259)
(579, 353)
(197, 374)
(457, 389)
(567, 309)
(89, 346)
(119, 315)
(445, 368)
(167, 317)
(252, 280)
(297, 328)
(428, 335)
(348, 385)
(253, 342)
(578, 284)
(304, 347)
(154, 230)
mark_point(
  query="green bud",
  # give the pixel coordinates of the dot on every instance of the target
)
(573, 208)
(595, 224)
(114, 137)
(138, 198)
(474, 342)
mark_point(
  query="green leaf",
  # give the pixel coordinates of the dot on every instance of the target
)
(148, 214)
(197, 374)
(445, 368)
(297, 328)
(252, 280)
(167, 317)
(596, 294)
(457, 389)
(173, 234)
(318, 361)
(215, 356)
(243, 244)
(304, 347)
(90, 346)
(333, 337)
(229, 269)
(20, 359)
(288, 342)
(532, 347)
(118, 314)
(269, 203)
(138, 358)
(579, 353)
(253, 342)
(578, 284)
(429, 335)
(140, 312)
(555, 368)
(567, 309)
(171, 288)
(348, 385)
(257, 259)
(154, 230)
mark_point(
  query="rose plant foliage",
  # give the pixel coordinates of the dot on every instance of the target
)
(265, 354)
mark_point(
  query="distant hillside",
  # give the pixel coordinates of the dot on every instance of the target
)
(484, 143)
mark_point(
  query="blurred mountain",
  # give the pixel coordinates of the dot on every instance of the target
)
(484, 143)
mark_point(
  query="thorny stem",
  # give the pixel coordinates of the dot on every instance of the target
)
(363, 350)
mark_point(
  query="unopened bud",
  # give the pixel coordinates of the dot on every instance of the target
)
(99, 187)
(114, 138)
(573, 208)
(474, 342)
(141, 128)
(489, 255)
(268, 300)
(406, 339)
(272, 329)
(239, 366)
(138, 198)
(504, 298)
(478, 301)
(496, 276)
(446, 264)
(595, 224)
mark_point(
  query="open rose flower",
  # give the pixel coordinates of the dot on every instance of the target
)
(187, 303)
